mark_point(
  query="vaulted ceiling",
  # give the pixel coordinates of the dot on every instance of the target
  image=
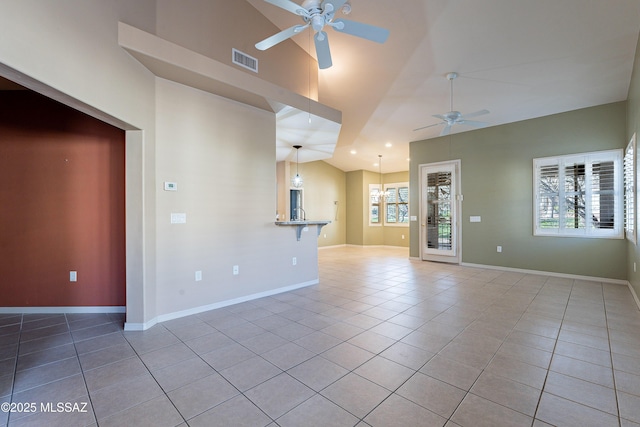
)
(518, 59)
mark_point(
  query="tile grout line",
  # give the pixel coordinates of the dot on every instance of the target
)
(613, 371)
(15, 369)
(498, 349)
(84, 379)
(240, 393)
(553, 352)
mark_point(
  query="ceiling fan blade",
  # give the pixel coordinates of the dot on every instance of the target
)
(280, 37)
(428, 126)
(475, 114)
(358, 29)
(440, 116)
(337, 4)
(473, 123)
(322, 50)
(446, 130)
(290, 6)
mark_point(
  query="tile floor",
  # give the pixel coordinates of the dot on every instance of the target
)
(381, 341)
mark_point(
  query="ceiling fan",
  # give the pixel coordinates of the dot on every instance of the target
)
(317, 15)
(455, 117)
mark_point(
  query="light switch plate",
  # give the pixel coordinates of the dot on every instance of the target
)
(178, 218)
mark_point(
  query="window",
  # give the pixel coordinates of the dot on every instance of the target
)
(630, 190)
(394, 209)
(579, 195)
(397, 204)
(374, 204)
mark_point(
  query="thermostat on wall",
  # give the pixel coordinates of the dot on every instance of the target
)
(170, 186)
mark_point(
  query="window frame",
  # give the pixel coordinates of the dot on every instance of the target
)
(371, 204)
(589, 160)
(396, 186)
(630, 186)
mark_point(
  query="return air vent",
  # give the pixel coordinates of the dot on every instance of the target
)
(244, 60)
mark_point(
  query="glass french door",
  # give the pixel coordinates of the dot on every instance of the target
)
(439, 212)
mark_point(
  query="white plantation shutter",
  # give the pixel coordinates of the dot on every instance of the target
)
(548, 203)
(630, 190)
(397, 203)
(579, 195)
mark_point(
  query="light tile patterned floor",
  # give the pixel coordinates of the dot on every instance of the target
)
(381, 341)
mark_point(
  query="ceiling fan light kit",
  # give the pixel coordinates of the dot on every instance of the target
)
(455, 117)
(318, 15)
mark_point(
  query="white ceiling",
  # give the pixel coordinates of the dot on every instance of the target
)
(520, 59)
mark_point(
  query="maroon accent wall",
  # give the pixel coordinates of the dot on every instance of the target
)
(62, 205)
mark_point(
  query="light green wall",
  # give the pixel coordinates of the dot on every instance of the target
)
(325, 198)
(496, 177)
(633, 126)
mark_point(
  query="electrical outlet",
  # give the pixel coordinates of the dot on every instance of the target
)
(499, 249)
(198, 276)
(403, 237)
(236, 270)
(294, 261)
(73, 276)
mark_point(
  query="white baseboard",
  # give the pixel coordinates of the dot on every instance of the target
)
(331, 247)
(547, 273)
(635, 296)
(128, 326)
(376, 246)
(62, 310)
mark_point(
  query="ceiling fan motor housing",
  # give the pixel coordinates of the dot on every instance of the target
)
(452, 116)
(312, 6)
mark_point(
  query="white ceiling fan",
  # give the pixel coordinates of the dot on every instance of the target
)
(317, 15)
(455, 117)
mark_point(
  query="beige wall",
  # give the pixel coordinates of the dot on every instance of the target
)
(74, 57)
(324, 194)
(356, 207)
(204, 145)
(213, 28)
(497, 184)
(359, 231)
(68, 50)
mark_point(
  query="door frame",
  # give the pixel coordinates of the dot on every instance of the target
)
(456, 209)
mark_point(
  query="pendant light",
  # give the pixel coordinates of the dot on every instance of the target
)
(297, 180)
(379, 193)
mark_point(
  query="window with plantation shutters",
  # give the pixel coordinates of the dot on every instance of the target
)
(579, 195)
(389, 204)
(375, 202)
(397, 204)
(630, 190)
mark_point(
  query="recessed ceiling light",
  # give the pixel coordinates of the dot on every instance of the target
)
(388, 145)
(376, 164)
(353, 152)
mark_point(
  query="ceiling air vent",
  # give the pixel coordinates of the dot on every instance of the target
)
(244, 60)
